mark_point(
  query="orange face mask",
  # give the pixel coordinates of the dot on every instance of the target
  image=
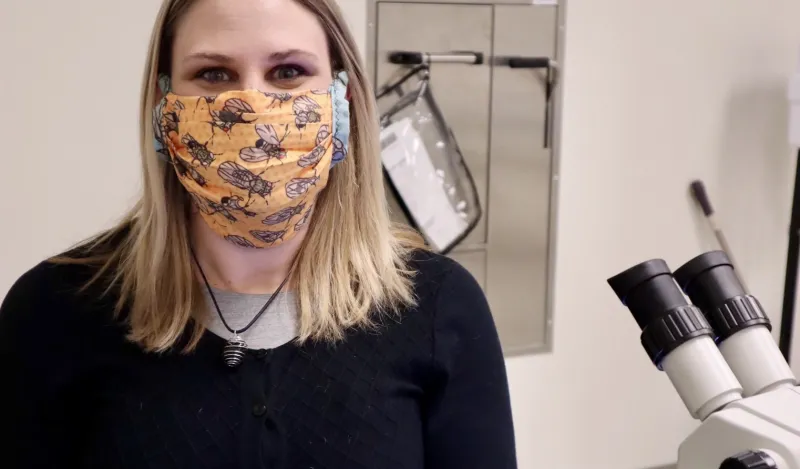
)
(254, 162)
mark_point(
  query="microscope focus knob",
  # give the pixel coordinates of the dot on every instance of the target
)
(749, 460)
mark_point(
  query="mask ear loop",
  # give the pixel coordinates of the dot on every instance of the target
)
(158, 142)
(340, 96)
(164, 84)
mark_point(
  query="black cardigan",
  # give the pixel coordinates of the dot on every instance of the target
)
(426, 391)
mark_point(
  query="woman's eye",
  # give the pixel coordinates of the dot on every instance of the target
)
(214, 75)
(288, 72)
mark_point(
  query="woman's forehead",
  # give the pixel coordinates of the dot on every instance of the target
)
(240, 27)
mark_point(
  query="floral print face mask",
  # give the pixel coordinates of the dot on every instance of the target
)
(254, 162)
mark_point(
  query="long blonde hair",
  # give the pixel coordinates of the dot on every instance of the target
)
(353, 261)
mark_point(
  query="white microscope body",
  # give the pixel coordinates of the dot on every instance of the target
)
(768, 422)
(722, 360)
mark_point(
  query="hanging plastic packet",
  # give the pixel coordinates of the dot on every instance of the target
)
(423, 165)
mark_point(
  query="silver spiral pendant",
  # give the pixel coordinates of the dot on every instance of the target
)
(234, 351)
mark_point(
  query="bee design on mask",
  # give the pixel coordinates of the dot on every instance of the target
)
(285, 214)
(303, 221)
(226, 207)
(299, 186)
(268, 237)
(233, 203)
(338, 151)
(208, 99)
(165, 123)
(240, 241)
(278, 98)
(306, 111)
(267, 147)
(199, 151)
(185, 170)
(312, 158)
(209, 207)
(241, 177)
(232, 113)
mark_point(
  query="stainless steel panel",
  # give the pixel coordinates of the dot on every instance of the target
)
(431, 27)
(497, 115)
(519, 181)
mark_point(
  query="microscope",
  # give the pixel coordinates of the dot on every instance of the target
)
(718, 352)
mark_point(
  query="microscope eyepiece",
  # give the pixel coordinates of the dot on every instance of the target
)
(666, 319)
(648, 290)
(710, 281)
(741, 325)
(677, 337)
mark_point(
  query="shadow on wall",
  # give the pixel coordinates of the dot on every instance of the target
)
(754, 186)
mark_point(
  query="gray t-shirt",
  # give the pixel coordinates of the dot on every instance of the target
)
(277, 326)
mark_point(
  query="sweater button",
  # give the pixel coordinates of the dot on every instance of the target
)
(259, 410)
(262, 353)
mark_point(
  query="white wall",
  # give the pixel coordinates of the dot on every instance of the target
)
(657, 93)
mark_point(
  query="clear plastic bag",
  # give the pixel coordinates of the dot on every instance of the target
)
(423, 165)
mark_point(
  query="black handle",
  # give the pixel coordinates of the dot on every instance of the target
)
(535, 63)
(402, 57)
(528, 62)
(699, 193)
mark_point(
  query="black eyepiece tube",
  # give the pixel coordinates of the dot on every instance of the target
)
(742, 326)
(677, 337)
(666, 319)
(648, 290)
(710, 281)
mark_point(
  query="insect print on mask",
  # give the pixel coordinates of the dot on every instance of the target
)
(306, 111)
(314, 157)
(256, 187)
(209, 207)
(299, 186)
(208, 99)
(231, 114)
(239, 241)
(241, 177)
(302, 223)
(227, 207)
(268, 237)
(339, 151)
(199, 151)
(284, 215)
(185, 170)
(278, 98)
(268, 145)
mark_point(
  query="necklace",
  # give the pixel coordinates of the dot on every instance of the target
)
(234, 350)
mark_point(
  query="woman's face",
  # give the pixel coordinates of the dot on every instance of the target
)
(267, 45)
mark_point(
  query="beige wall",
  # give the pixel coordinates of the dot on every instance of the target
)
(657, 93)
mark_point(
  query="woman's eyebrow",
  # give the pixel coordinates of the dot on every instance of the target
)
(211, 56)
(273, 57)
(285, 54)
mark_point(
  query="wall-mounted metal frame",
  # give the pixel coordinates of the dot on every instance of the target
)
(372, 59)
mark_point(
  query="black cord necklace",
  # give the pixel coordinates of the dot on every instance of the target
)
(234, 350)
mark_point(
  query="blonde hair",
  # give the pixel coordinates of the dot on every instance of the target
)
(353, 261)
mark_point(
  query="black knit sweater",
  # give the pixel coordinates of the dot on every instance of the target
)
(428, 390)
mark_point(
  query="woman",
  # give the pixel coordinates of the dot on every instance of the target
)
(255, 309)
